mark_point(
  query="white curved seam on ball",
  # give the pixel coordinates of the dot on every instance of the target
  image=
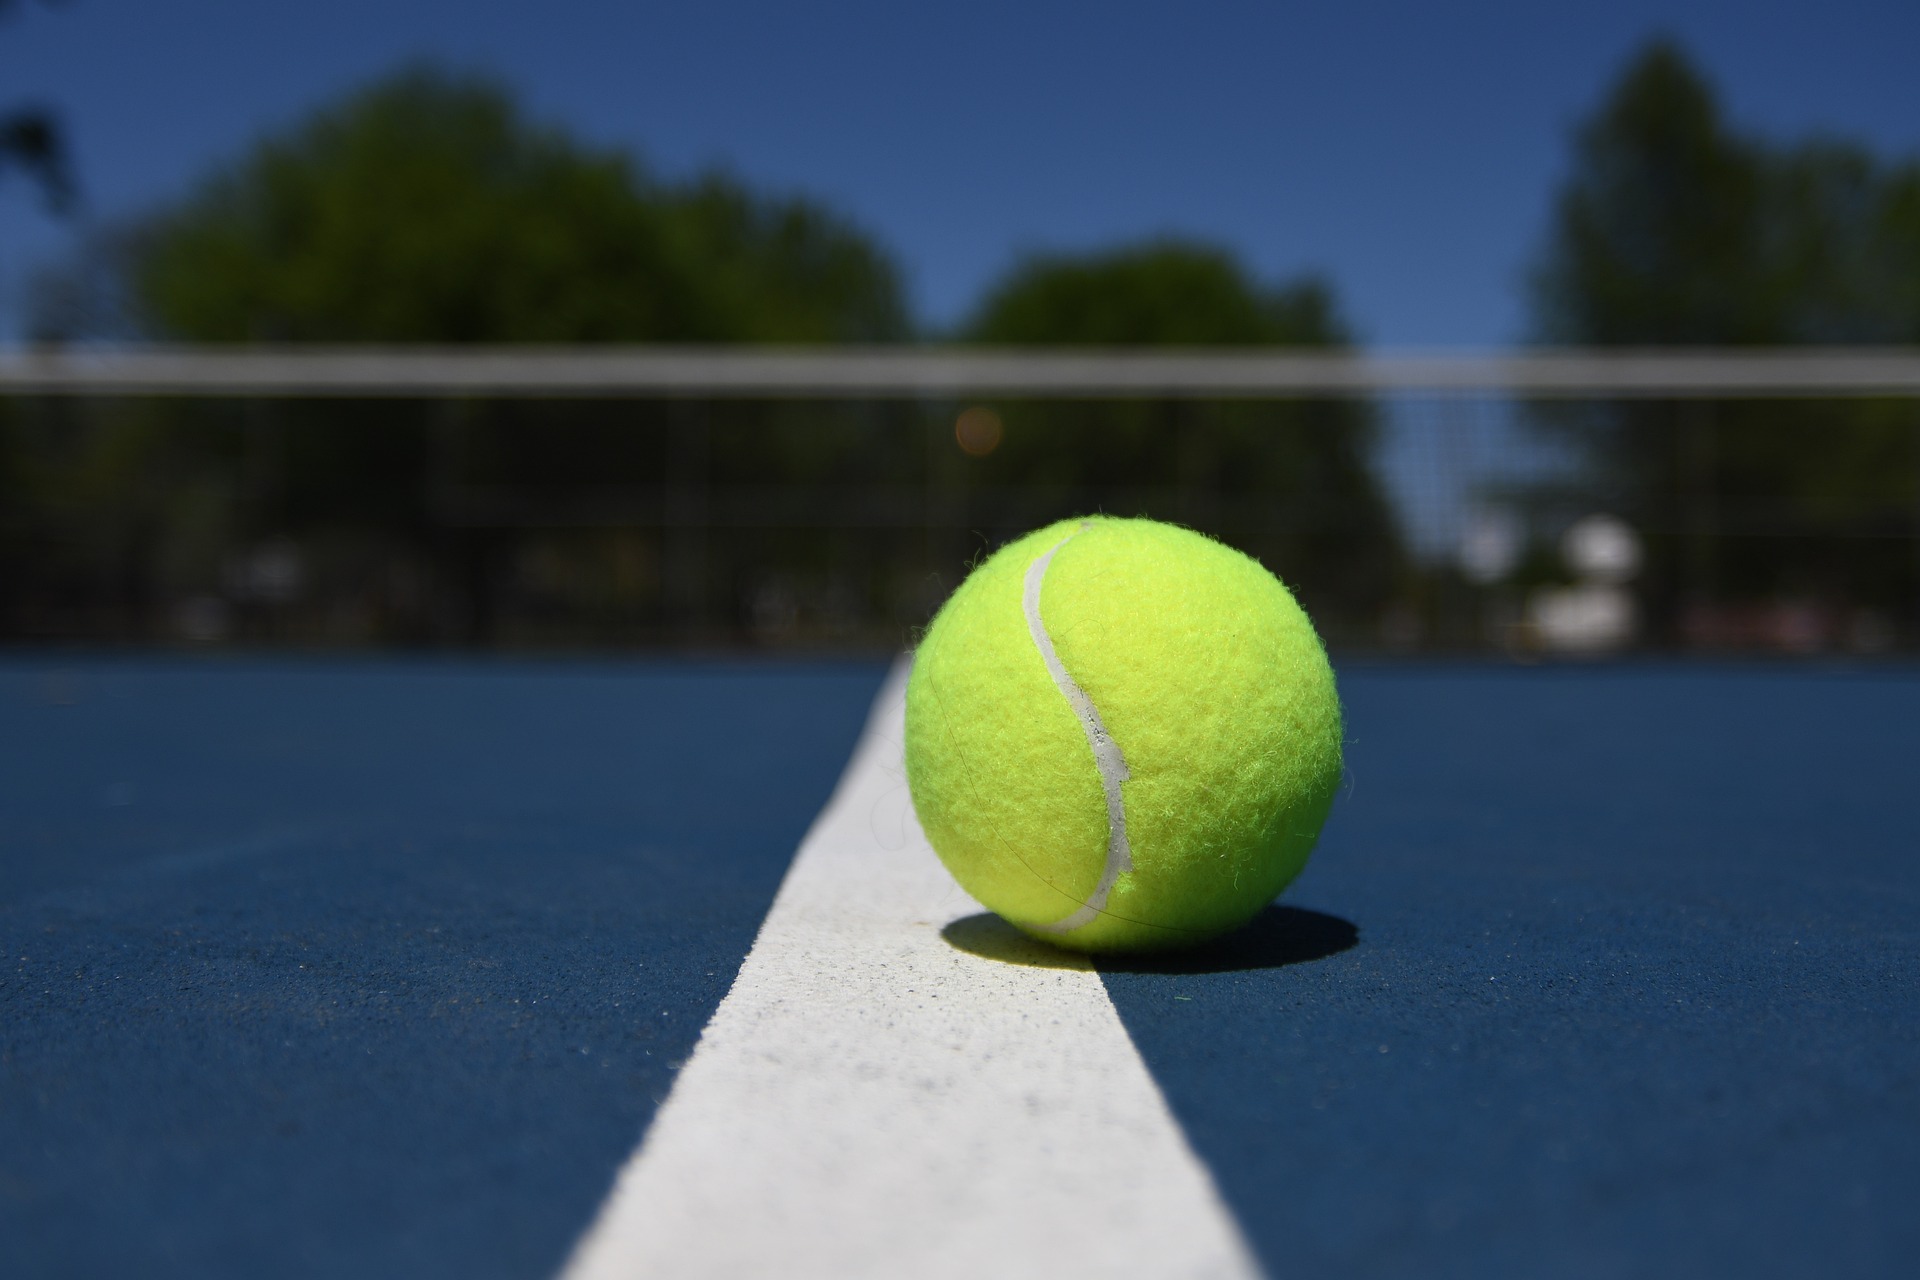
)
(1107, 757)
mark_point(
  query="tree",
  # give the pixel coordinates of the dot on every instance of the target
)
(1165, 293)
(1658, 234)
(32, 141)
(426, 208)
(1674, 228)
(1288, 482)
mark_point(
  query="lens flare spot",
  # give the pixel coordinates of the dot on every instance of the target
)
(978, 431)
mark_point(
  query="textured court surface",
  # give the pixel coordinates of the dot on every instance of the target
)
(1637, 989)
(365, 969)
(370, 970)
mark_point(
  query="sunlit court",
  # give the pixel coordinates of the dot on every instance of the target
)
(636, 646)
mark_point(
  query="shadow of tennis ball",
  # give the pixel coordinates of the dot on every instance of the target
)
(988, 936)
(1276, 937)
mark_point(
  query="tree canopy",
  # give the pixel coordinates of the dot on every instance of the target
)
(1291, 483)
(33, 141)
(427, 209)
(1674, 227)
(1164, 293)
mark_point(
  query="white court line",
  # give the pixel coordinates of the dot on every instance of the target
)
(869, 1100)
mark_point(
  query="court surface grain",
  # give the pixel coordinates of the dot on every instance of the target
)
(384, 968)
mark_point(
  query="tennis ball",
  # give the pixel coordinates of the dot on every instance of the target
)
(1122, 735)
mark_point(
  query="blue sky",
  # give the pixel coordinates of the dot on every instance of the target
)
(1407, 151)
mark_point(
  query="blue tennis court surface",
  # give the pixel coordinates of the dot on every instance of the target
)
(1636, 990)
(371, 970)
(382, 968)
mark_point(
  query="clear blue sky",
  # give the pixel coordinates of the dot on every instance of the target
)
(1406, 150)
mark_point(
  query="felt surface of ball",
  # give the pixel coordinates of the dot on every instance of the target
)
(1122, 735)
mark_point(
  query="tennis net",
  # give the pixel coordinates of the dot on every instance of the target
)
(1528, 504)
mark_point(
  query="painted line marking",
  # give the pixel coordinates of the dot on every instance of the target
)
(870, 1100)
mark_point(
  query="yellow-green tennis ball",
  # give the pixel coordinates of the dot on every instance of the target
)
(1122, 735)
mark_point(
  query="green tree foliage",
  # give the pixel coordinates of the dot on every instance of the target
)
(1658, 235)
(1676, 228)
(33, 142)
(1167, 293)
(425, 209)
(1290, 483)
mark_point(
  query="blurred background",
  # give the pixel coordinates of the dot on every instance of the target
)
(1269, 179)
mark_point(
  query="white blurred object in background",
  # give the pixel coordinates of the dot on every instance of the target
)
(1594, 617)
(1602, 548)
(273, 572)
(1490, 546)
(1597, 614)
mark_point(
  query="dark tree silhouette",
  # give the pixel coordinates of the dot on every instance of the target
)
(426, 208)
(1676, 228)
(32, 142)
(1291, 483)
